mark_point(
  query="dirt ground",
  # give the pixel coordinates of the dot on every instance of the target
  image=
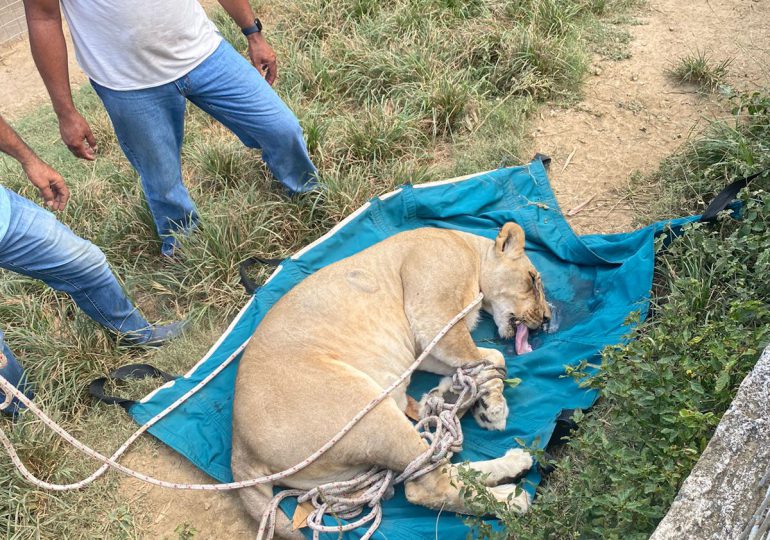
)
(21, 88)
(632, 115)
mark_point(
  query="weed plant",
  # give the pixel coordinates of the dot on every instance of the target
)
(727, 150)
(701, 70)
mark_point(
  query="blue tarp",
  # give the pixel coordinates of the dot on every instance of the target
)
(595, 282)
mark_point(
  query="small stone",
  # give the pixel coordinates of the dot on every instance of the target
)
(635, 77)
(670, 28)
(597, 70)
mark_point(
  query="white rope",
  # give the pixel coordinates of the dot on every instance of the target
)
(439, 426)
(376, 516)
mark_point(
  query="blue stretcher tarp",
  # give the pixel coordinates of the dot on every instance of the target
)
(595, 282)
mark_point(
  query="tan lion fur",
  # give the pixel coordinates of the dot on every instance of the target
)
(337, 339)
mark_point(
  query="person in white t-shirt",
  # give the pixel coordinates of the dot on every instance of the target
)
(145, 59)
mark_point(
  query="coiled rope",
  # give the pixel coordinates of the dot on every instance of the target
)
(439, 427)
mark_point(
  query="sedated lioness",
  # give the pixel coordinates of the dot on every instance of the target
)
(337, 339)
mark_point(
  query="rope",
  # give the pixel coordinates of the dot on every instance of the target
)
(441, 446)
(439, 427)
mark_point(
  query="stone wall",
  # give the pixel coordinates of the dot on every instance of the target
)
(726, 494)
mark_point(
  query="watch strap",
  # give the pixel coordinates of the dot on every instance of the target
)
(253, 29)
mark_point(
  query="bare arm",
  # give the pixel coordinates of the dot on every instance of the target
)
(49, 50)
(260, 52)
(50, 183)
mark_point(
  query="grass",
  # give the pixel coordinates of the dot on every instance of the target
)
(700, 69)
(405, 91)
(729, 149)
(664, 393)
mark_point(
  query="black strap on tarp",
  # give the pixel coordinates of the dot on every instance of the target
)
(544, 159)
(243, 269)
(725, 197)
(565, 426)
(128, 372)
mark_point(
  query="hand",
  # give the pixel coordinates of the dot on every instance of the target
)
(76, 134)
(50, 183)
(263, 57)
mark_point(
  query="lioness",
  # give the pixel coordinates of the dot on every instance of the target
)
(336, 340)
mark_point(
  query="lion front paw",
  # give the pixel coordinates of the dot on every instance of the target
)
(514, 496)
(491, 411)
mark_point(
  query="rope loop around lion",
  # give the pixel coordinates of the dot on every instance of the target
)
(439, 426)
(371, 487)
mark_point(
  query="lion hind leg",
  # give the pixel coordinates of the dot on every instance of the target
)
(515, 463)
(256, 499)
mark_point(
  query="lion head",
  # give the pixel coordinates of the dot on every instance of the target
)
(513, 291)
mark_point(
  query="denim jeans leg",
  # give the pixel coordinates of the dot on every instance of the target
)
(14, 374)
(231, 90)
(38, 245)
(149, 125)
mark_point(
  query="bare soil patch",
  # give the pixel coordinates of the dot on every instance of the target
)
(169, 514)
(633, 114)
(21, 88)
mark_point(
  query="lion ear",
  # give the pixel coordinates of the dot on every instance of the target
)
(510, 241)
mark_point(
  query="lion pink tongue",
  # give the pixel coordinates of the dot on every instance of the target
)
(522, 335)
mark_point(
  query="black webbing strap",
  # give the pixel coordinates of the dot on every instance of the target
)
(565, 425)
(131, 371)
(544, 159)
(727, 196)
(243, 269)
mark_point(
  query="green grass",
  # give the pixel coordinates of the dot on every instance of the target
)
(727, 150)
(663, 394)
(404, 91)
(701, 70)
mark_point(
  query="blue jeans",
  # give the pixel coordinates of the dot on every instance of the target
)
(14, 374)
(149, 124)
(36, 244)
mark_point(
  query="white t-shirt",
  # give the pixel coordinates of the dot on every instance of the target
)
(135, 44)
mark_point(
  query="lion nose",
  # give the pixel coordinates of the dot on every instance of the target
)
(546, 320)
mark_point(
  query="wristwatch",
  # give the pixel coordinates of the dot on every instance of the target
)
(256, 27)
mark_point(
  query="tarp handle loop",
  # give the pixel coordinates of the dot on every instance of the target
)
(727, 196)
(243, 270)
(124, 373)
